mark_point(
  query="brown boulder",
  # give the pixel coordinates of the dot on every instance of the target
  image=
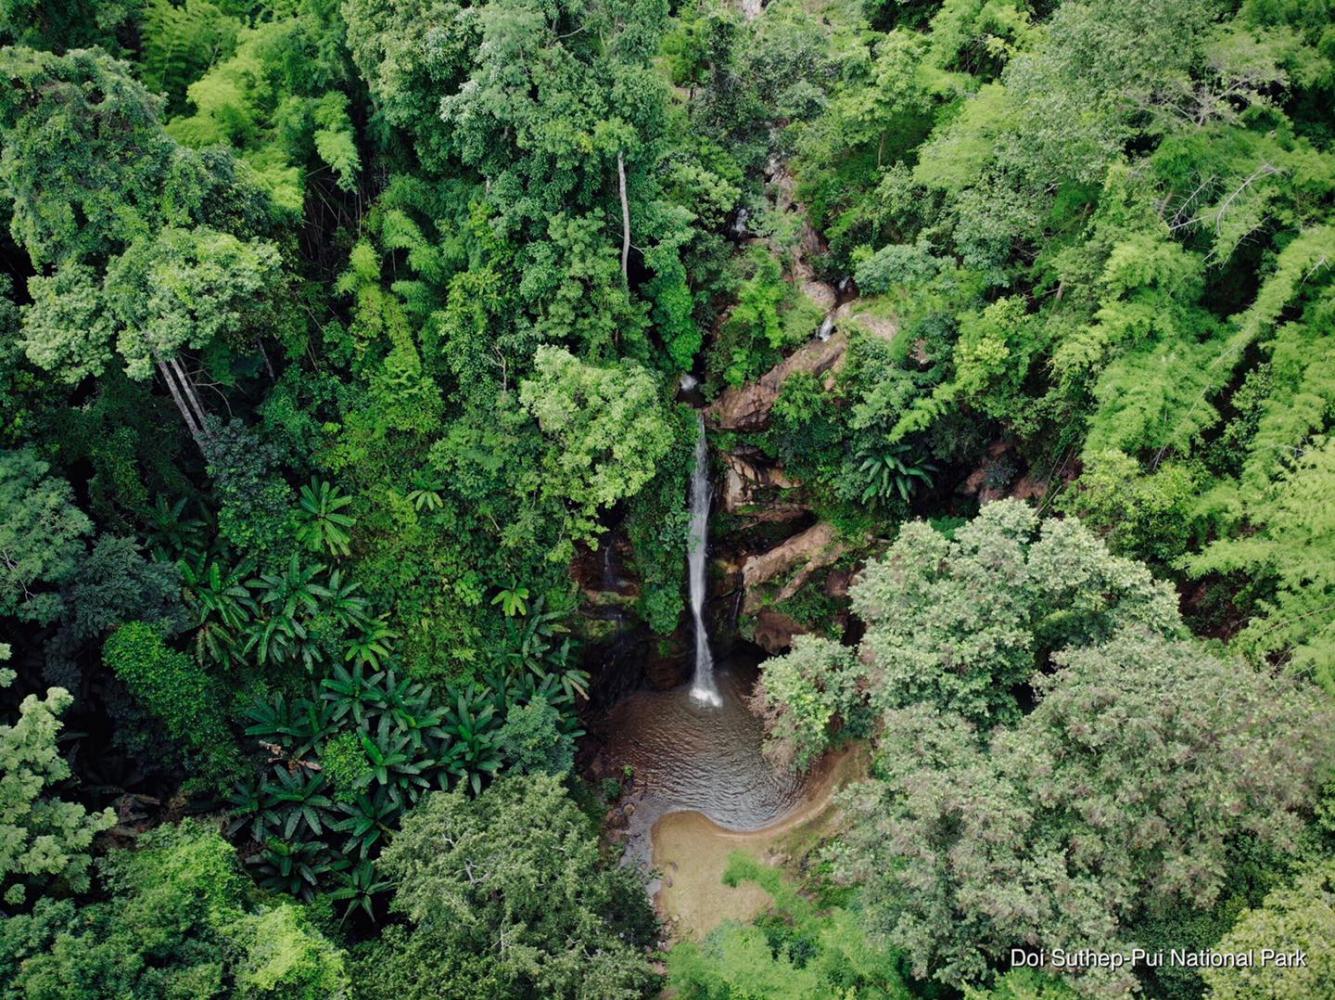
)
(820, 292)
(838, 582)
(773, 632)
(1029, 489)
(977, 482)
(744, 482)
(802, 555)
(748, 408)
(878, 326)
(744, 408)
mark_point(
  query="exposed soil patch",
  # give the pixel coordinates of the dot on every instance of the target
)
(691, 851)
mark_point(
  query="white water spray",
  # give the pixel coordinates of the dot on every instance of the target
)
(703, 688)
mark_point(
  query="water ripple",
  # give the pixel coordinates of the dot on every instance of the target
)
(694, 756)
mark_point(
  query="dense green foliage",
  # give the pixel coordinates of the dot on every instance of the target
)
(343, 463)
(1304, 916)
(173, 687)
(40, 537)
(793, 952)
(963, 623)
(506, 895)
(1131, 793)
(181, 921)
(44, 838)
(804, 697)
(1082, 818)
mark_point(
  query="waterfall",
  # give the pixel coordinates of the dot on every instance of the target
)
(703, 688)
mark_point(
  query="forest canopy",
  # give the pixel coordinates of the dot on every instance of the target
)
(354, 359)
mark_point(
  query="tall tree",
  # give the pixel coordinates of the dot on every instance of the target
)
(1122, 795)
(964, 622)
(499, 904)
(607, 431)
(143, 248)
(45, 841)
(41, 537)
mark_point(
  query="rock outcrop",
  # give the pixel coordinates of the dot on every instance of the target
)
(749, 487)
(819, 292)
(773, 632)
(996, 478)
(796, 558)
(608, 591)
(667, 665)
(747, 408)
(877, 325)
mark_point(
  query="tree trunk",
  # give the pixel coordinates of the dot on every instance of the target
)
(196, 431)
(191, 395)
(625, 219)
(268, 365)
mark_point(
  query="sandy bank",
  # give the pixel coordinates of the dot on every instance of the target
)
(692, 851)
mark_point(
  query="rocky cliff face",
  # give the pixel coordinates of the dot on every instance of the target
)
(776, 570)
(757, 490)
(747, 407)
(793, 562)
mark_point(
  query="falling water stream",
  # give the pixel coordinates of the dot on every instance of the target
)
(703, 688)
(698, 746)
